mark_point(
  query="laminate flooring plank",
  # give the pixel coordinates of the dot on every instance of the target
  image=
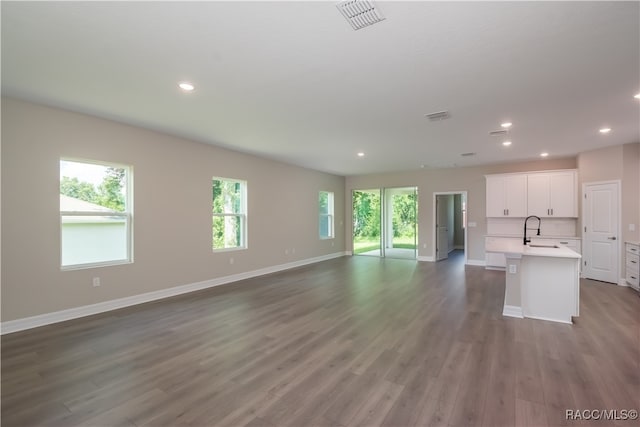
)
(528, 376)
(470, 400)
(530, 414)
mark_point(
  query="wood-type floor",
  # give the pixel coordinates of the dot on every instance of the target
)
(355, 341)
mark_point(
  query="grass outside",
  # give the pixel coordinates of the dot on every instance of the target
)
(364, 244)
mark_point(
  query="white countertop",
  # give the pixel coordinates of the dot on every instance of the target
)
(517, 248)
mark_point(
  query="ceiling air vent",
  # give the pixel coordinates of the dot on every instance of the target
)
(437, 116)
(498, 132)
(360, 13)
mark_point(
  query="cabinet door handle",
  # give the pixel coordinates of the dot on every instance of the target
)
(504, 212)
(548, 212)
(612, 238)
(564, 243)
(552, 212)
(634, 262)
(507, 212)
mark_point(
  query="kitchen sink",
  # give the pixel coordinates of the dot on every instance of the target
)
(544, 246)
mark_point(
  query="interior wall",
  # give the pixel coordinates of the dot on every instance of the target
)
(620, 162)
(458, 240)
(470, 179)
(450, 222)
(631, 192)
(172, 210)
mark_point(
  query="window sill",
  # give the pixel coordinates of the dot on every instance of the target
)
(222, 250)
(95, 265)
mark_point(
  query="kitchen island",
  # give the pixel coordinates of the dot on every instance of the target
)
(542, 280)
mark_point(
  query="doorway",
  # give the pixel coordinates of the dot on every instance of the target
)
(601, 219)
(449, 224)
(385, 222)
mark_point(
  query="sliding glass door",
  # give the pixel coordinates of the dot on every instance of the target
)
(385, 222)
(366, 222)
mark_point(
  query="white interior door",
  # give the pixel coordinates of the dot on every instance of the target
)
(600, 228)
(442, 228)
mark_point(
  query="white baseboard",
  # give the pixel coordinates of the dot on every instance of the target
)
(426, 258)
(479, 262)
(101, 307)
(512, 311)
(491, 267)
(348, 253)
(459, 247)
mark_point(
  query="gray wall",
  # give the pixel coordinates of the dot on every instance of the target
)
(458, 239)
(620, 162)
(172, 210)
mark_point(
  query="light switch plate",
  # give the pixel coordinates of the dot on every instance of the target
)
(471, 224)
(513, 269)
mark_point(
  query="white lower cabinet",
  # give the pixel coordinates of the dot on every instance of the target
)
(496, 260)
(632, 256)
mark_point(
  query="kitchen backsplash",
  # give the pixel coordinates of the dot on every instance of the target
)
(562, 227)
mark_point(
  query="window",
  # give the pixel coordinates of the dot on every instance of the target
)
(95, 214)
(229, 214)
(326, 214)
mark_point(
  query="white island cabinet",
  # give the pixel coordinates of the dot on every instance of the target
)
(541, 282)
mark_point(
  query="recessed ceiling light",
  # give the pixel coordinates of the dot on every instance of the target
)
(506, 125)
(605, 130)
(545, 154)
(637, 96)
(506, 143)
(360, 154)
(186, 86)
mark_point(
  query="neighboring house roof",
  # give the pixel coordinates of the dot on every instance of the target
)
(71, 204)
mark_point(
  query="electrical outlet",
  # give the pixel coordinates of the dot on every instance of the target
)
(513, 269)
(424, 245)
(332, 244)
(231, 260)
(293, 251)
(286, 251)
(96, 282)
(471, 224)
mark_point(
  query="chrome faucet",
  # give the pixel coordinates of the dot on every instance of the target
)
(525, 240)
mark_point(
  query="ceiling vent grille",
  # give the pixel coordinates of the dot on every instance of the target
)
(498, 132)
(360, 13)
(437, 116)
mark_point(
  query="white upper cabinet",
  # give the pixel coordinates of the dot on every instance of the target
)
(552, 194)
(544, 194)
(507, 195)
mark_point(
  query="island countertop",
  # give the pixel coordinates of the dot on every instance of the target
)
(518, 249)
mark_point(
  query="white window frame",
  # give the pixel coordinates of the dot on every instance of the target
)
(127, 215)
(329, 215)
(242, 215)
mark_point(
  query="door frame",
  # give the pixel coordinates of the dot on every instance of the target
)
(618, 183)
(464, 193)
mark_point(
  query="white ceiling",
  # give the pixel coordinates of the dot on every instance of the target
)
(293, 81)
